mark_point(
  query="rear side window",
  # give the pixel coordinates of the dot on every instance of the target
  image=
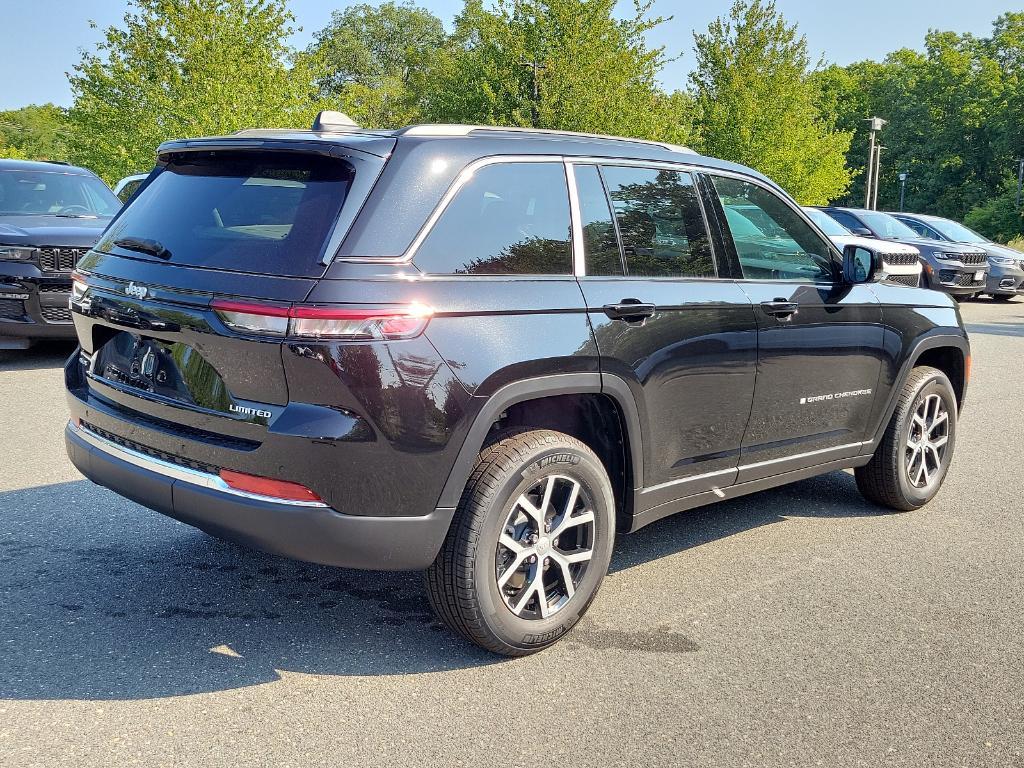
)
(248, 211)
(660, 222)
(600, 246)
(508, 219)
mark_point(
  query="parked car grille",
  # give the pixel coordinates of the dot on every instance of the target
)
(12, 309)
(912, 280)
(952, 277)
(155, 453)
(55, 288)
(55, 314)
(968, 258)
(900, 259)
(60, 259)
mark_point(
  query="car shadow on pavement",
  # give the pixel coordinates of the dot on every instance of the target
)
(102, 599)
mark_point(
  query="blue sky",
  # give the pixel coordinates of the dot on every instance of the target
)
(40, 39)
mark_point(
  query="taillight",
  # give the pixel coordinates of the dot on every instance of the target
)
(312, 322)
(265, 486)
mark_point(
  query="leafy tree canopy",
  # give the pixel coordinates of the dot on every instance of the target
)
(178, 68)
(757, 105)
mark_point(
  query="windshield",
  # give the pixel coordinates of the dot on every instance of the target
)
(52, 193)
(886, 226)
(958, 233)
(826, 223)
(249, 211)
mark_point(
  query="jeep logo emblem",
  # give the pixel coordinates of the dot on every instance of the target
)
(138, 291)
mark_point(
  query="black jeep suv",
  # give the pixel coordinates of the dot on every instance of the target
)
(482, 352)
(50, 215)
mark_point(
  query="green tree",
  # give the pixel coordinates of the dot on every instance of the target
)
(38, 131)
(178, 68)
(757, 104)
(593, 73)
(11, 152)
(370, 55)
(954, 112)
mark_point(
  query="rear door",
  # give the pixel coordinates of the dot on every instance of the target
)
(819, 339)
(680, 334)
(216, 231)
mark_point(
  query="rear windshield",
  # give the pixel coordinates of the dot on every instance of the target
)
(270, 213)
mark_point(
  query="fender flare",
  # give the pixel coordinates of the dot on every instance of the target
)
(923, 345)
(533, 389)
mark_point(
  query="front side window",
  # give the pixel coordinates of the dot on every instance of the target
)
(508, 219)
(660, 221)
(772, 241)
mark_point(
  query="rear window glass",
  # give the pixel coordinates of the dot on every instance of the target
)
(508, 219)
(253, 212)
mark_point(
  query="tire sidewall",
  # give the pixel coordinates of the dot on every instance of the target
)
(934, 384)
(528, 634)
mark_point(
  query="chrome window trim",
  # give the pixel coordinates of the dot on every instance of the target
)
(176, 471)
(579, 265)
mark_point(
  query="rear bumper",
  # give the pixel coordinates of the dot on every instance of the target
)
(33, 305)
(301, 530)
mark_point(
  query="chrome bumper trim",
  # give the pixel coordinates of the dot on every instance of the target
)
(176, 471)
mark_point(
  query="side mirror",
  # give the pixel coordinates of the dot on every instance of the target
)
(862, 265)
(862, 232)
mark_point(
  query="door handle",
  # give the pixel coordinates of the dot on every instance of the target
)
(780, 307)
(629, 309)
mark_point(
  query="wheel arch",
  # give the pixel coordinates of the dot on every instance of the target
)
(523, 403)
(949, 353)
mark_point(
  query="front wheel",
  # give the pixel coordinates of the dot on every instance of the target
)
(529, 546)
(912, 460)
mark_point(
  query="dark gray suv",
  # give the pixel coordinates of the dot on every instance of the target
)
(1005, 265)
(955, 268)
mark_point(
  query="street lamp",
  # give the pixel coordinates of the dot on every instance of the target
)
(903, 187)
(875, 124)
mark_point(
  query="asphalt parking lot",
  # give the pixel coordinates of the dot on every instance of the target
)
(800, 626)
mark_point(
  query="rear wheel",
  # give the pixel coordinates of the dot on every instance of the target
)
(911, 462)
(529, 546)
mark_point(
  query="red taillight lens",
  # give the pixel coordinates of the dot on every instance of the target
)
(265, 486)
(313, 322)
(262, 319)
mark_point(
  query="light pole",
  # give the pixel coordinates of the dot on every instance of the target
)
(878, 175)
(536, 66)
(1020, 179)
(903, 187)
(875, 124)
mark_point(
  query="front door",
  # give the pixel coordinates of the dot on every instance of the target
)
(819, 339)
(681, 336)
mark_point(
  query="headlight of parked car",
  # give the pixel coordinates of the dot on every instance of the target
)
(1004, 261)
(16, 253)
(946, 256)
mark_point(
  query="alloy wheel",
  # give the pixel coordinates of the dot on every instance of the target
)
(545, 546)
(926, 444)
